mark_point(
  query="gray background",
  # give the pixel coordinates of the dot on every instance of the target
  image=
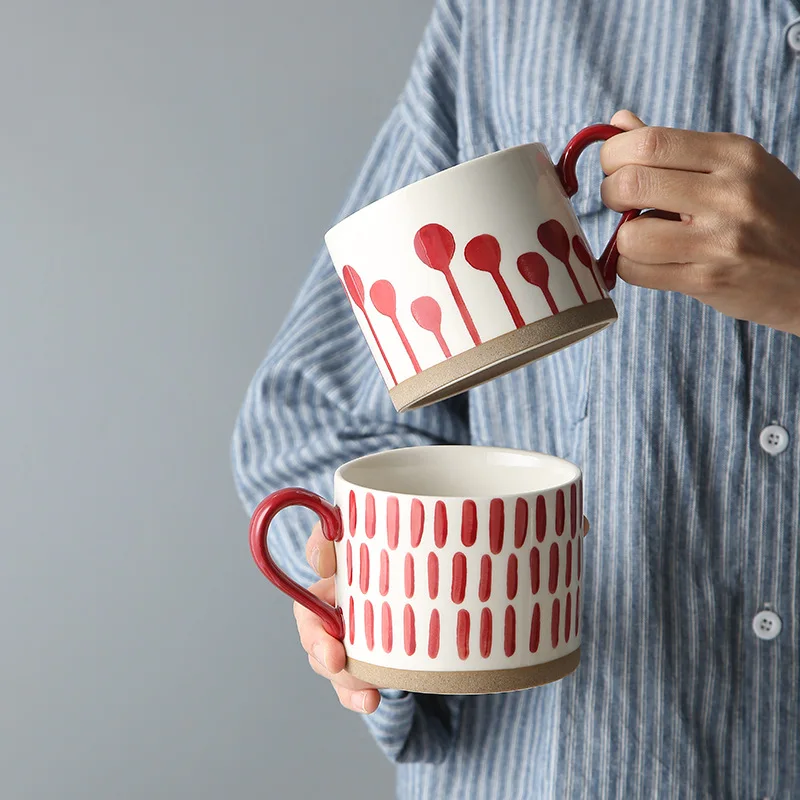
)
(167, 170)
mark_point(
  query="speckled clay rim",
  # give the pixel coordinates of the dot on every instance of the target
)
(467, 682)
(499, 356)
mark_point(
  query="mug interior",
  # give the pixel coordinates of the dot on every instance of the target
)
(459, 471)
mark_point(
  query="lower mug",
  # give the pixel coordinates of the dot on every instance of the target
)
(458, 568)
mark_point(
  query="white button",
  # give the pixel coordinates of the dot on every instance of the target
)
(793, 36)
(774, 439)
(767, 625)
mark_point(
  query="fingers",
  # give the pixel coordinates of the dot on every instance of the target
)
(653, 240)
(586, 526)
(320, 553)
(327, 657)
(626, 120)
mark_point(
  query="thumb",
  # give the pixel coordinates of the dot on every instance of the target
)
(320, 553)
(627, 120)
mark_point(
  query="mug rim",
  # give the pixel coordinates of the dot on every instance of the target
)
(436, 175)
(340, 474)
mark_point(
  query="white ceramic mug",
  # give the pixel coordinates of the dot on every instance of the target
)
(458, 569)
(480, 269)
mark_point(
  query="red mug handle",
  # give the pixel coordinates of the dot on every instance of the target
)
(331, 520)
(566, 174)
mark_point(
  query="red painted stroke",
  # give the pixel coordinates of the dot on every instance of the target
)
(433, 634)
(536, 571)
(349, 551)
(497, 521)
(553, 585)
(483, 253)
(440, 524)
(369, 624)
(369, 516)
(577, 610)
(568, 570)
(568, 617)
(417, 521)
(384, 298)
(580, 550)
(469, 523)
(512, 577)
(541, 518)
(573, 510)
(383, 584)
(536, 628)
(533, 267)
(409, 575)
(520, 522)
(560, 512)
(351, 616)
(462, 634)
(458, 586)
(486, 633)
(427, 314)
(386, 627)
(485, 585)
(353, 516)
(355, 288)
(433, 575)
(393, 522)
(555, 622)
(510, 637)
(409, 631)
(554, 238)
(363, 572)
(585, 257)
(435, 247)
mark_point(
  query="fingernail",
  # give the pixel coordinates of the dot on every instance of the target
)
(360, 702)
(315, 559)
(318, 651)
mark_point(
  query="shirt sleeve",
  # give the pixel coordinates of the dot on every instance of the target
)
(318, 400)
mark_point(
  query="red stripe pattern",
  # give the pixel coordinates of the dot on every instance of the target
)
(497, 521)
(520, 522)
(462, 634)
(409, 631)
(560, 512)
(369, 624)
(417, 521)
(352, 620)
(384, 577)
(510, 637)
(433, 575)
(469, 523)
(459, 583)
(393, 522)
(386, 627)
(485, 585)
(512, 577)
(536, 628)
(568, 576)
(440, 524)
(363, 572)
(486, 633)
(409, 575)
(433, 634)
(573, 510)
(369, 516)
(353, 513)
(577, 610)
(553, 568)
(349, 559)
(568, 617)
(536, 570)
(555, 622)
(541, 518)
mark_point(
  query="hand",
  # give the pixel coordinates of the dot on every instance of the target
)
(733, 240)
(326, 654)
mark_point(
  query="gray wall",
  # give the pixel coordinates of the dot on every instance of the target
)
(167, 169)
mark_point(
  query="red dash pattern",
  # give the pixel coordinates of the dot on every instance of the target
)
(386, 627)
(536, 627)
(353, 513)
(459, 583)
(369, 516)
(541, 518)
(409, 575)
(580, 550)
(352, 620)
(369, 624)
(573, 510)
(486, 633)
(577, 610)
(409, 631)
(568, 617)
(485, 585)
(560, 512)
(536, 570)
(568, 570)
(433, 575)
(462, 634)
(383, 584)
(433, 634)
(363, 572)
(553, 586)
(497, 521)
(520, 522)
(510, 636)
(469, 523)
(512, 577)
(349, 560)
(555, 622)
(440, 524)
(417, 521)
(393, 522)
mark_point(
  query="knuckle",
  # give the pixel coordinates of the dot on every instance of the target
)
(751, 153)
(630, 183)
(710, 279)
(627, 239)
(652, 144)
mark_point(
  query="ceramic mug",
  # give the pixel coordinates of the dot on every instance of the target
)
(458, 569)
(475, 271)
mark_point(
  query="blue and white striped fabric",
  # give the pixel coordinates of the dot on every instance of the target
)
(695, 527)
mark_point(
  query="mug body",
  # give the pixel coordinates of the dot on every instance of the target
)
(467, 274)
(459, 568)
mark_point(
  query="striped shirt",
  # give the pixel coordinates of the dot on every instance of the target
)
(695, 524)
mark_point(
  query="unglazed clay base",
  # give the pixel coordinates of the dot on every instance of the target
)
(474, 682)
(499, 356)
